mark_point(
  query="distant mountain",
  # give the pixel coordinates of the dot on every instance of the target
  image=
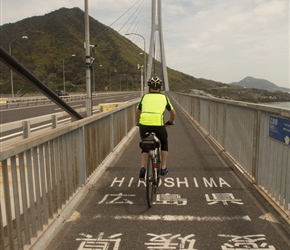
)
(251, 82)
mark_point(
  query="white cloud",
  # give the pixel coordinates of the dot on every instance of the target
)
(229, 40)
(16, 10)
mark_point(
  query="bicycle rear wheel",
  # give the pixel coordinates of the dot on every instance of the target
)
(150, 184)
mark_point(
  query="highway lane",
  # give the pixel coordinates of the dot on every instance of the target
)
(22, 113)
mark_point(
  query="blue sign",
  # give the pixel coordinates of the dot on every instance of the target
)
(279, 129)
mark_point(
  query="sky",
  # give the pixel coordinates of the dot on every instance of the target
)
(220, 40)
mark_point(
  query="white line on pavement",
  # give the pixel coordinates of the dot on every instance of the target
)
(175, 217)
(73, 106)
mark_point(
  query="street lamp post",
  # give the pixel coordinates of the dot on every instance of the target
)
(63, 72)
(110, 80)
(144, 57)
(115, 74)
(11, 71)
(100, 78)
(120, 82)
(142, 76)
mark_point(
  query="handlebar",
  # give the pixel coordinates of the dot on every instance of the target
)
(166, 124)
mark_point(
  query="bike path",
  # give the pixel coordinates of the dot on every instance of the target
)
(202, 204)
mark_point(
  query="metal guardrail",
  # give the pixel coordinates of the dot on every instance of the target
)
(40, 175)
(240, 131)
(16, 131)
(41, 100)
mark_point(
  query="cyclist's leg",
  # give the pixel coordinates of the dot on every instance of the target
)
(161, 133)
(144, 159)
(164, 155)
(144, 155)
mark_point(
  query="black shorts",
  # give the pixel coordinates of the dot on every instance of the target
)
(160, 132)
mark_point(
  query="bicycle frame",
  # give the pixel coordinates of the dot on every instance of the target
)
(153, 174)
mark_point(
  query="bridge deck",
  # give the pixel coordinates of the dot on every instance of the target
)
(204, 205)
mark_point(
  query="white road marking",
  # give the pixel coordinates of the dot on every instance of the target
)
(79, 105)
(268, 217)
(175, 217)
(73, 106)
(74, 216)
(108, 100)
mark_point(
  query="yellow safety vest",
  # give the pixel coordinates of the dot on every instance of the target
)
(153, 106)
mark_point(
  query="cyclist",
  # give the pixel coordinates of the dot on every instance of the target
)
(149, 114)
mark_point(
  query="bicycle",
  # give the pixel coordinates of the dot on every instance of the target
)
(152, 145)
(153, 170)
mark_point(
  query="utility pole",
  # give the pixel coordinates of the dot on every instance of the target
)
(88, 62)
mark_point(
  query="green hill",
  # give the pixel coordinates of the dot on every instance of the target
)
(56, 36)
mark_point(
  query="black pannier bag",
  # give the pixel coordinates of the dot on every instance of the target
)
(150, 142)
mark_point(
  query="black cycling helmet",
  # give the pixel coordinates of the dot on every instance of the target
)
(155, 83)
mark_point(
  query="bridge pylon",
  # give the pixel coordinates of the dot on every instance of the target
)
(157, 29)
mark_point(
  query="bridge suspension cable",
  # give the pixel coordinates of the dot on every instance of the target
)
(135, 19)
(144, 18)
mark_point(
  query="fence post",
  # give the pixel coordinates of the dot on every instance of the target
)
(126, 121)
(81, 156)
(256, 139)
(26, 129)
(54, 121)
(112, 133)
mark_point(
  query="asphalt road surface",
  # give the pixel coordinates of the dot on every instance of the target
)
(16, 114)
(202, 204)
